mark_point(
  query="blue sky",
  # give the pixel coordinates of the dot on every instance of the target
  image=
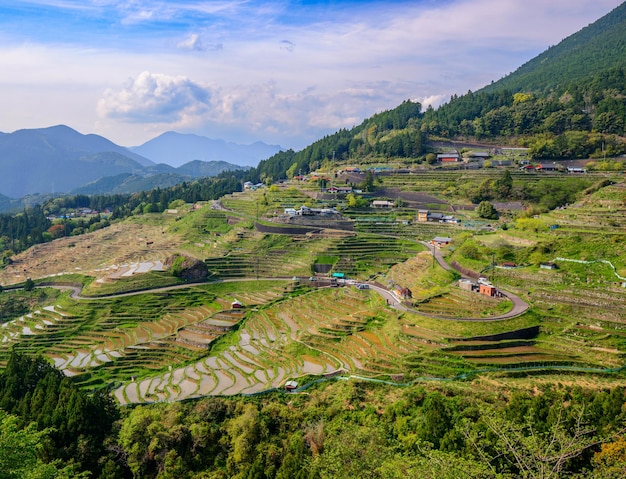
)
(283, 72)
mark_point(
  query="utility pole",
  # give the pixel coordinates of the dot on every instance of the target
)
(434, 254)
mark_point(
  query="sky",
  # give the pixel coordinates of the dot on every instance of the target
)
(279, 71)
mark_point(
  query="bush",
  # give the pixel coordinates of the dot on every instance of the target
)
(486, 210)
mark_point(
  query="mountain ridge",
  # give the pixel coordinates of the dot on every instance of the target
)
(60, 159)
(177, 149)
(576, 57)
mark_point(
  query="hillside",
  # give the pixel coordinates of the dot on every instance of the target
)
(598, 47)
(191, 341)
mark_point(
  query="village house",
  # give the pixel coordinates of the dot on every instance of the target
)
(440, 241)
(306, 211)
(452, 157)
(547, 167)
(422, 216)
(479, 156)
(488, 290)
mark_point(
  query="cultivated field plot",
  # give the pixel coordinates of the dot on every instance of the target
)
(95, 254)
(113, 340)
(268, 255)
(344, 330)
(463, 304)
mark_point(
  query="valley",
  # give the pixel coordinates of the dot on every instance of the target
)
(284, 305)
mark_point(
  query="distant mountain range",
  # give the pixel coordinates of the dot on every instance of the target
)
(59, 159)
(176, 149)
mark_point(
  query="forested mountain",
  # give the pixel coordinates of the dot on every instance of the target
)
(393, 133)
(598, 47)
(158, 176)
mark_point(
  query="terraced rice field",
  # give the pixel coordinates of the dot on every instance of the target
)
(97, 254)
(308, 334)
(357, 257)
(113, 340)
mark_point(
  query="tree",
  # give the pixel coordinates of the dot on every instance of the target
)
(29, 285)
(531, 451)
(57, 230)
(486, 210)
(368, 182)
(20, 449)
(504, 185)
(431, 158)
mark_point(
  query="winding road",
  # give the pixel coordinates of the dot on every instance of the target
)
(519, 305)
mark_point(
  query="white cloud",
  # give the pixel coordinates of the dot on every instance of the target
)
(155, 98)
(433, 100)
(192, 42)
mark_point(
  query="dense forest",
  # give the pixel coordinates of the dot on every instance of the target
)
(339, 430)
(597, 47)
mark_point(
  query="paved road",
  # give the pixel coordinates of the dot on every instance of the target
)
(519, 305)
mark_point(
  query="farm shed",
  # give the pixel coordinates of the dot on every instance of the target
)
(467, 284)
(448, 157)
(291, 385)
(548, 265)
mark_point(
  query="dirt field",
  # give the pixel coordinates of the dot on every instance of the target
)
(95, 254)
